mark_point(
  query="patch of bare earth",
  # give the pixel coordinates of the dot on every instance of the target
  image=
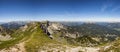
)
(16, 48)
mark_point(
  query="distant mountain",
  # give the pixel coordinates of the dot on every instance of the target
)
(71, 23)
(92, 29)
(115, 26)
(1, 23)
(95, 31)
(13, 25)
(107, 24)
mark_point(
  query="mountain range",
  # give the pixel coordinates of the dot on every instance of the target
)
(49, 36)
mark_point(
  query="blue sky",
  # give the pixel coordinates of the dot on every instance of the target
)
(60, 10)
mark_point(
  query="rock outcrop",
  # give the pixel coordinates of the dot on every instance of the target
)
(4, 34)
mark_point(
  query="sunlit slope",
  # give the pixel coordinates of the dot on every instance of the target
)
(19, 35)
(33, 37)
(114, 46)
(38, 39)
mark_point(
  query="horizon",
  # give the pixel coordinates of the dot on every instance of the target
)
(63, 21)
(60, 10)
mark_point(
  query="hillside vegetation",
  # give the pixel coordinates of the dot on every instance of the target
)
(32, 38)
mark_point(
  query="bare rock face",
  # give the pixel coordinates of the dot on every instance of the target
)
(4, 35)
(53, 27)
(72, 35)
(16, 48)
(57, 26)
(5, 38)
(24, 27)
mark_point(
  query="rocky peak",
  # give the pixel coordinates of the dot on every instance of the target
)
(57, 26)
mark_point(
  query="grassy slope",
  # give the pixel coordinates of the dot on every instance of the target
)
(33, 37)
(115, 46)
(17, 37)
(37, 40)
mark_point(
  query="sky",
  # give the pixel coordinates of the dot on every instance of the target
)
(60, 10)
